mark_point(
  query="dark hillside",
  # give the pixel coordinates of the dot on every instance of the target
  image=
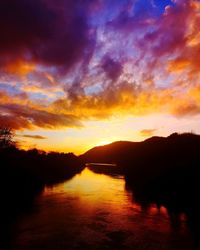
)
(161, 170)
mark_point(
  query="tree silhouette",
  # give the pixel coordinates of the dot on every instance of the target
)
(6, 137)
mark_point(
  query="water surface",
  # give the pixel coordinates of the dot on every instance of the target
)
(95, 211)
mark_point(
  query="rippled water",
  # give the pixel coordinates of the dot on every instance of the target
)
(94, 211)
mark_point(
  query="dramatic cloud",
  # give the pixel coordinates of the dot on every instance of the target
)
(43, 32)
(112, 69)
(64, 62)
(37, 137)
(18, 116)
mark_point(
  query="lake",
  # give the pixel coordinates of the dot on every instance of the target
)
(95, 211)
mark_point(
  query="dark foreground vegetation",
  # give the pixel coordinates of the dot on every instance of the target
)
(165, 171)
(25, 173)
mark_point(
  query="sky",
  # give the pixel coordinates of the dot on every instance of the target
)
(75, 74)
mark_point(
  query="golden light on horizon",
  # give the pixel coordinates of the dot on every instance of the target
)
(99, 133)
(105, 142)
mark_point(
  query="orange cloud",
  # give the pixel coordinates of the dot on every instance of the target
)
(195, 93)
(178, 65)
(37, 137)
(20, 116)
(189, 49)
(147, 132)
(185, 109)
(20, 67)
(121, 99)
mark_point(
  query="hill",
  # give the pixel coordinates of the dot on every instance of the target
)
(110, 153)
(161, 170)
(174, 149)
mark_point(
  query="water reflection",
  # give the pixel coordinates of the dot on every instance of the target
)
(95, 211)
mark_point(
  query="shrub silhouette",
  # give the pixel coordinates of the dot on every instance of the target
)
(25, 173)
(6, 137)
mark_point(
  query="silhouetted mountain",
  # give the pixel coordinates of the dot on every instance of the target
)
(157, 150)
(163, 170)
(111, 153)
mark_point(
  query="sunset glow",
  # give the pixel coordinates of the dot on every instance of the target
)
(76, 74)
